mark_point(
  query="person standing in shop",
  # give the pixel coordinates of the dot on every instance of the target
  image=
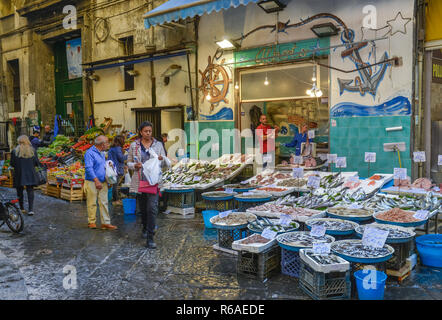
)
(141, 151)
(116, 155)
(24, 160)
(95, 184)
(298, 139)
(35, 138)
(265, 133)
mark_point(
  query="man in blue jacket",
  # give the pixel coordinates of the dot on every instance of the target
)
(95, 185)
(298, 139)
(34, 139)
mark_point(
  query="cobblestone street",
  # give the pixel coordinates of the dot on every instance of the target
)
(116, 265)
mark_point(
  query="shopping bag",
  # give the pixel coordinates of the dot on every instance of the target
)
(111, 173)
(41, 175)
(127, 179)
(152, 169)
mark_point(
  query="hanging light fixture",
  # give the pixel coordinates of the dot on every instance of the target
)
(266, 81)
(208, 97)
(236, 86)
(314, 91)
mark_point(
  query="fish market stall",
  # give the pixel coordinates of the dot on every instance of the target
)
(249, 199)
(259, 225)
(273, 210)
(350, 213)
(334, 227)
(355, 251)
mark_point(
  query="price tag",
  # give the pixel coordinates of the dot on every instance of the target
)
(311, 134)
(355, 206)
(285, 219)
(317, 231)
(400, 173)
(186, 160)
(321, 248)
(268, 233)
(224, 213)
(229, 190)
(331, 158)
(266, 158)
(197, 178)
(180, 152)
(439, 160)
(341, 162)
(374, 237)
(297, 159)
(313, 182)
(421, 214)
(419, 156)
(298, 172)
(370, 157)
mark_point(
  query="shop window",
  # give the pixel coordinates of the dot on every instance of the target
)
(127, 48)
(14, 71)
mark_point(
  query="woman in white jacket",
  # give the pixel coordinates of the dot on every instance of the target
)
(139, 152)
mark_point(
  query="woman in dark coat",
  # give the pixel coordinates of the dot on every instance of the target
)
(24, 160)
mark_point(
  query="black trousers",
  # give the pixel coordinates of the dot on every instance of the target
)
(149, 209)
(20, 194)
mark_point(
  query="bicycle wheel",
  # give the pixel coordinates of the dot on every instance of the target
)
(14, 218)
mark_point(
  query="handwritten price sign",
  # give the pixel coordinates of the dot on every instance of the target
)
(297, 159)
(421, 214)
(311, 134)
(317, 231)
(298, 173)
(268, 233)
(419, 156)
(374, 237)
(341, 162)
(313, 182)
(285, 219)
(400, 173)
(370, 157)
(321, 248)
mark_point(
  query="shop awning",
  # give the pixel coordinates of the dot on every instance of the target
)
(173, 10)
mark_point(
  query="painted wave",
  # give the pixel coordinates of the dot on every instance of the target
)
(224, 114)
(398, 106)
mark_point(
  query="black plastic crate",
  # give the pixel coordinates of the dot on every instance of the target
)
(226, 237)
(290, 263)
(400, 255)
(324, 286)
(259, 265)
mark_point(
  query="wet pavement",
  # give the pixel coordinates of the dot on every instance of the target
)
(56, 245)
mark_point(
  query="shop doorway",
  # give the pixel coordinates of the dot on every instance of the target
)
(279, 91)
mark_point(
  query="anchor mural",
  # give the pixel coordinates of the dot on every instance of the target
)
(367, 81)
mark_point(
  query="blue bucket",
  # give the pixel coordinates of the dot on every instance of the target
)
(129, 206)
(109, 194)
(374, 286)
(207, 214)
(429, 247)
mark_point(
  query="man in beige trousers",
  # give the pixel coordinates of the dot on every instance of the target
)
(95, 184)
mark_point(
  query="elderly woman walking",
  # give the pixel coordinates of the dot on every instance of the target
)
(24, 160)
(141, 151)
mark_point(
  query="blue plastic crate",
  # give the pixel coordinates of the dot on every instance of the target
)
(290, 263)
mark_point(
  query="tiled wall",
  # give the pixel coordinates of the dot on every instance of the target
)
(353, 136)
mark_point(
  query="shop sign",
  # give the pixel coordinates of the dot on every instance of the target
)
(282, 52)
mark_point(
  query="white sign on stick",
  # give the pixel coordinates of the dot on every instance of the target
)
(298, 173)
(419, 156)
(370, 157)
(268, 233)
(321, 248)
(331, 158)
(374, 237)
(400, 173)
(341, 162)
(318, 231)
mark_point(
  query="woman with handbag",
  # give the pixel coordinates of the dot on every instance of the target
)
(24, 160)
(141, 151)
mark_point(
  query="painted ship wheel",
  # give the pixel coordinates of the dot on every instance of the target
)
(215, 82)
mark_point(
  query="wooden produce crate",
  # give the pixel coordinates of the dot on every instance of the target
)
(53, 190)
(44, 188)
(71, 194)
(10, 181)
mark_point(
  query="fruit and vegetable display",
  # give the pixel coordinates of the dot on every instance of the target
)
(56, 147)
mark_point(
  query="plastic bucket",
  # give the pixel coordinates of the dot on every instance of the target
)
(129, 206)
(207, 214)
(373, 286)
(429, 247)
(109, 194)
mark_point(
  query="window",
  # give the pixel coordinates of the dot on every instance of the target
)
(127, 48)
(14, 71)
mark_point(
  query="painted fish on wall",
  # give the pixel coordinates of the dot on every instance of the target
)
(398, 106)
(224, 114)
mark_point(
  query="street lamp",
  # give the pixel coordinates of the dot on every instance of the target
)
(270, 6)
(325, 29)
